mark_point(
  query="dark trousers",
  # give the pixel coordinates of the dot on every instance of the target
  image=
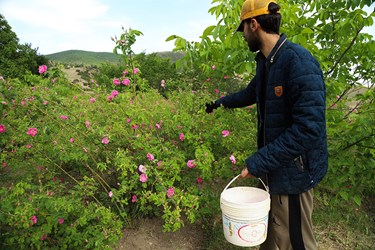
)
(290, 224)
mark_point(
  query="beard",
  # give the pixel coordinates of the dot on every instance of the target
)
(253, 43)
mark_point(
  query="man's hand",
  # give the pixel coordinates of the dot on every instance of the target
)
(245, 174)
(211, 106)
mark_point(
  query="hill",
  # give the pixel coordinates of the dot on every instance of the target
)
(83, 57)
(78, 57)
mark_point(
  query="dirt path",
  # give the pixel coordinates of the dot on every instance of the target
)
(148, 235)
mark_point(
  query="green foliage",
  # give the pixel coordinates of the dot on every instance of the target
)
(99, 157)
(16, 59)
(334, 35)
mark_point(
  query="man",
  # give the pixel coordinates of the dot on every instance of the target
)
(292, 157)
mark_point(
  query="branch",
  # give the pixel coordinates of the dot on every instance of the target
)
(358, 141)
(346, 50)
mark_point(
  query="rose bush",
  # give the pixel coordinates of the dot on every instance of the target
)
(73, 157)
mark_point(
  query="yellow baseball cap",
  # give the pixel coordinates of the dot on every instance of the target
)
(253, 8)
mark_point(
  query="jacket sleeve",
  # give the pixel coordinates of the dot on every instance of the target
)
(307, 129)
(243, 98)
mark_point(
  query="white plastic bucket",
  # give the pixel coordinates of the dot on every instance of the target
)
(245, 214)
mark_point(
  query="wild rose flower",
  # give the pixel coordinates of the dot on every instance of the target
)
(125, 72)
(2, 128)
(213, 67)
(4, 164)
(105, 140)
(135, 126)
(162, 83)
(217, 91)
(170, 192)
(42, 69)
(157, 125)
(44, 237)
(64, 117)
(134, 198)
(60, 220)
(199, 180)
(150, 157)
(29, 146)
(110, 98)
(4, 103)
(143, 178)
(110, 194)
(232, 159)
(116, 81)
(45, 103)
(182, 136)
(114, 93)
(128, 120)
(191, 164)
(34, 219)
(87, 123)
(142, 169)
(71, 140)
(135, 71)
(226, 77)
(92, 100)
(126, 82)
(225, 133)
(32, 131)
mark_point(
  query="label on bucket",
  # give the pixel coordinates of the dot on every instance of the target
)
(245, 233)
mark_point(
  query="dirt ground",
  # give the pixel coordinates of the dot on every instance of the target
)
(148, 234)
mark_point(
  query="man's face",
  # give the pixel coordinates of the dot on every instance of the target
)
(251, 37)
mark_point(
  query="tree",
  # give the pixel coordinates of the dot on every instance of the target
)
(333, 32)
(16, 59)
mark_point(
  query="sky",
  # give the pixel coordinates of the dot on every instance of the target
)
(57, 25)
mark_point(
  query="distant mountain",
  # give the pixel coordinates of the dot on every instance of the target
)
(83, 57)
(78, 57)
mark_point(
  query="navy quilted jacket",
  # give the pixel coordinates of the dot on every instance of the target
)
(292, 146)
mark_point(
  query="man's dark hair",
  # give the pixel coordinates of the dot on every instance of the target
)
(271, 22)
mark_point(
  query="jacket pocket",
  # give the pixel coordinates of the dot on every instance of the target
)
(299, 163)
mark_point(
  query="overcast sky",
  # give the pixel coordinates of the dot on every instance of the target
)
(54, 26)
(59, 25)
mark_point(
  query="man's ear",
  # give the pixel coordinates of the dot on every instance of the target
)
(254, 24)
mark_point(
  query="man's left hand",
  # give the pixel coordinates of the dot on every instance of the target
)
(246, 174)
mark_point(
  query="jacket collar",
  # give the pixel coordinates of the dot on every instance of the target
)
(276, 48)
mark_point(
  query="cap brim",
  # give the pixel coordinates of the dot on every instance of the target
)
(240, 27)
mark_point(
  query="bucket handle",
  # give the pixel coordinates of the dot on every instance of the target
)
(267, 189)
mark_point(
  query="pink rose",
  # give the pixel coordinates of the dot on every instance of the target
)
(126, 82)
(182, 136)
(232, 159)
(143, 178)
(191, 164)
(134, 198)
(150, 157)
(32, 131)
(34, 219)
(116, 81)
(170, 192)
(225, 133)
(2, 128)
(60, 220)
(42, 69)
(105, 140)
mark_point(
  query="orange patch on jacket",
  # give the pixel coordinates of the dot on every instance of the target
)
(278, 91)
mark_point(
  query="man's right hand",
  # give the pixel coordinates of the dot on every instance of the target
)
(211, 106)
